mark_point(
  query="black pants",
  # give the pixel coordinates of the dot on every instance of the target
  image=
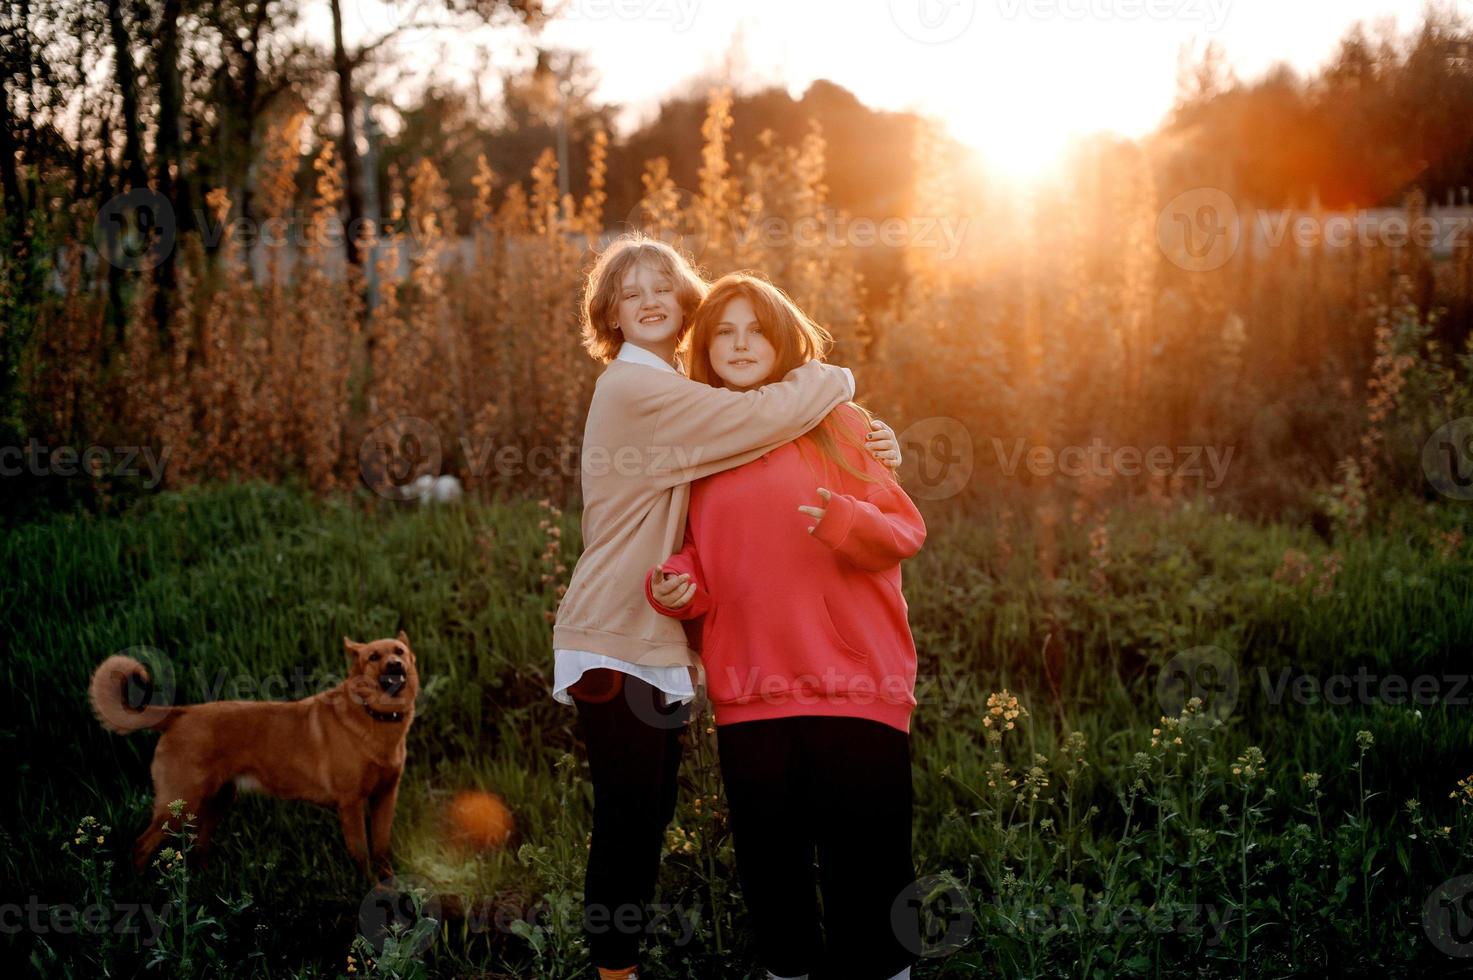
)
(840, 788)
(634, 748)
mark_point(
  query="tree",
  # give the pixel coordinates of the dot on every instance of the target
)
(529, 13)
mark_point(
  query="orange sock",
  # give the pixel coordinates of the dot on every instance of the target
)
(628, 973)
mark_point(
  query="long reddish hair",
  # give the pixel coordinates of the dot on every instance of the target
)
(795, 337)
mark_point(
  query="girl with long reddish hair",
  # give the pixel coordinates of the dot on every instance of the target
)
(794, 560)
(650, 431)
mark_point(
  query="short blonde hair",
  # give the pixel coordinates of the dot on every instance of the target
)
(601, 335)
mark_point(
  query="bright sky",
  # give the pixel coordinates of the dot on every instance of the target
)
(1016, 79)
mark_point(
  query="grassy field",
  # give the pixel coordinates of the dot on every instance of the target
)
(1115, 829)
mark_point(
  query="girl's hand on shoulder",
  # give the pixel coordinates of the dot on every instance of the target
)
(817, 512)
(671, 591)
(882, 444)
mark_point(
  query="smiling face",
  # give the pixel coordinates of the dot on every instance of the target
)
(382, 674)
(648, 310)
(741, 354)
(748, 333)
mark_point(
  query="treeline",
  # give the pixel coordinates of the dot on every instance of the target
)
(1384, 116)
(100, 96)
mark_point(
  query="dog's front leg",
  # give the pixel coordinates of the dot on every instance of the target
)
(352, 814)
(381, 816)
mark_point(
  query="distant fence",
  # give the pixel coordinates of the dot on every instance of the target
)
(1262, 232)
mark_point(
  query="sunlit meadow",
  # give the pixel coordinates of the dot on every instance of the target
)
(1130, 757)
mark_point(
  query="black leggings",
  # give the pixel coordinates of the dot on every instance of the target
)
(634, 748)
(839, 787)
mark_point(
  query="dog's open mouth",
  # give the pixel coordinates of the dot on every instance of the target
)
(393, 679)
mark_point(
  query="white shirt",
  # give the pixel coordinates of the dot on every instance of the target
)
(570, 665)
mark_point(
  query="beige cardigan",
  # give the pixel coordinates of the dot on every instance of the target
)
(649, 434)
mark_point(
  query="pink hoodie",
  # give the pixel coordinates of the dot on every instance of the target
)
(799, 623)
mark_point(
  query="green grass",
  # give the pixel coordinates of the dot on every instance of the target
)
(256, 581)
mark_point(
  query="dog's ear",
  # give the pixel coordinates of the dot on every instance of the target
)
(350, 647)
(404, 638)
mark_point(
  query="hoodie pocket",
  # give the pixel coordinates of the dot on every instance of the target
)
(849, 649)
(764, 644)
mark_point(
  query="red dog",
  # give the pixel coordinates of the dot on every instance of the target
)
(342, 748)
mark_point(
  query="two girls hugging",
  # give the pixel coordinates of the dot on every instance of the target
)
(750, 502)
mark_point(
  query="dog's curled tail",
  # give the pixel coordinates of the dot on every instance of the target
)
(109, 694)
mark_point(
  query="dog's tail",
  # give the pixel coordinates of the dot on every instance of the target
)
(110, 702)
